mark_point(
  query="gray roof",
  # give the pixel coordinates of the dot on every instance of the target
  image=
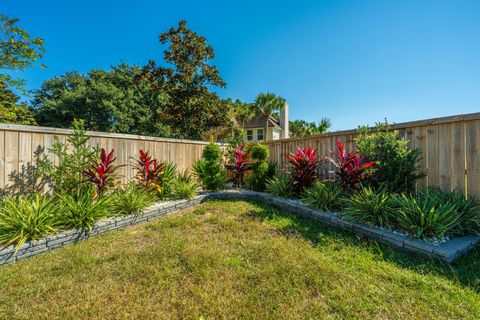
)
(259, 122)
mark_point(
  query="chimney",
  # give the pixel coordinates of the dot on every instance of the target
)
(284, 122)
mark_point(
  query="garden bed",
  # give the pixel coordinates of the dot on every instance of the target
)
(237, 260)
(447, 251)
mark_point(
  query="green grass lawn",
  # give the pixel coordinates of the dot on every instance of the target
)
(232, 260)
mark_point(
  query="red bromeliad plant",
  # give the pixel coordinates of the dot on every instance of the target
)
(351, 168)
(239, 165)
(149, 171)
(103, 174)
(303, 167)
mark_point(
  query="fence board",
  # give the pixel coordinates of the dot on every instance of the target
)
(19, 144)
(450, 150)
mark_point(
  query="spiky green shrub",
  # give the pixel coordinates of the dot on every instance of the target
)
(261, 169)
(131, 200)
(80, 210)
(466, 207)
(426, 215)
(371, 206)
(184, 189)
(27, 218)
(209, 170)
(165, 180)
(327, 196)
(281, 186)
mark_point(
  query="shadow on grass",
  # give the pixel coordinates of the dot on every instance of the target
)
(465, 271)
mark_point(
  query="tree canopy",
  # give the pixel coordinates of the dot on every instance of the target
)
(192, 109)
(302, 128)
(111, 101)
(17, 52)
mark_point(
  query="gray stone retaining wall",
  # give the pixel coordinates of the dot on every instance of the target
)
(447, 252)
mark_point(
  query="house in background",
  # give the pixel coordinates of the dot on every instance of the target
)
(277, 129)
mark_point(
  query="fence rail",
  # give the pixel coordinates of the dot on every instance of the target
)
(450, 145)
(19, 144)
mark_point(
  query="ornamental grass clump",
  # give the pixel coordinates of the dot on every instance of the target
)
(209, 170)
(303, 167)
(372, 206)
(280, 186)
(131, 200)
(327, 196)
(27, 218)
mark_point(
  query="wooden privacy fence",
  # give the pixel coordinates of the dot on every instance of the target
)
(18, 145)
(450, 145)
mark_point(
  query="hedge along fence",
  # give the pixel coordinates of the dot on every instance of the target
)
(20, 144)
(450, 145)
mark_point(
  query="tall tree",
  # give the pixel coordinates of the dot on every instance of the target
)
(17, 52)
(192, 108)
(112, 101)
(267, 104)
(302, 128)
(243, 111)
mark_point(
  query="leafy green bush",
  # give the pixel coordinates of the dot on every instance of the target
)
(74, 157)
(80, 210)
(131, 200)
(426, 215)
(27, 218)
(327, 196)
(209, 170)
(281, 186)
(396, 166)
(261, 169)
(372, 206)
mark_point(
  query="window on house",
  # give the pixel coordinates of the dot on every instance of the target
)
(260, 135)
(249, 135)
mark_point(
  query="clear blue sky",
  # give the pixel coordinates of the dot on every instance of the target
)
(355, 62)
